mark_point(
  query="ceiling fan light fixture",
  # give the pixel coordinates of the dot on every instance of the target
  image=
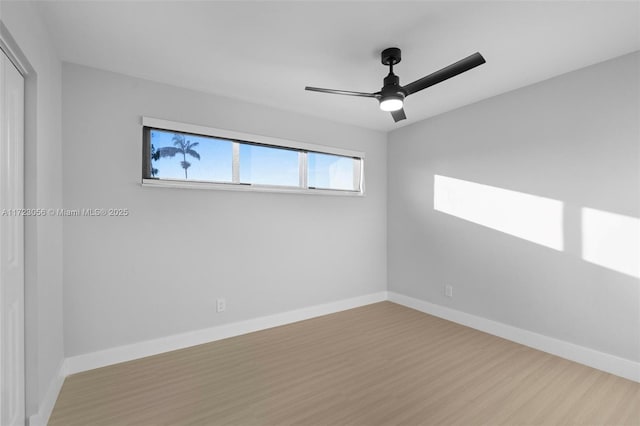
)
(391, 103)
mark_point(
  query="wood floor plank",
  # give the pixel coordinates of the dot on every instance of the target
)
(381, 364)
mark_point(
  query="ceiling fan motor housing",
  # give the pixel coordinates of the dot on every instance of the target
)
(392, 88)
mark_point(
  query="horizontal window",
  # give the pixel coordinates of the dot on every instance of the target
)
(182, 155)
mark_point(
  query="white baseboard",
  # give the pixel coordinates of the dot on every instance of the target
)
(84, 362)
(41, 418)
(602, 361)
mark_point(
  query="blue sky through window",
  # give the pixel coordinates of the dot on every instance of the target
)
(214, 164)
(269, 166)
(330, 171)
(257, 164)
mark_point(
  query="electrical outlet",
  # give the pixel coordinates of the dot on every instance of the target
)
(221, 305)
(448, 290)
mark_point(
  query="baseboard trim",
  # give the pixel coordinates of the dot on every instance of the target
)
(84, 362)
(41, 418)
(602, 361)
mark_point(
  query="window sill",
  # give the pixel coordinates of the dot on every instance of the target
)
(167, 183)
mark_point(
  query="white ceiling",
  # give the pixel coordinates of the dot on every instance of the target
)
(267, 52)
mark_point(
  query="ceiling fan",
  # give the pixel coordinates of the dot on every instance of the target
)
(392, 94)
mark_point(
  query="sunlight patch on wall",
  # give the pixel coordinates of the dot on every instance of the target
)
(611, 240)
(526, 216)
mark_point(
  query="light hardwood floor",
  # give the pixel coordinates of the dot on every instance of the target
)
(381, 364)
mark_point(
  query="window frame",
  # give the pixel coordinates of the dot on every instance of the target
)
(238, 138)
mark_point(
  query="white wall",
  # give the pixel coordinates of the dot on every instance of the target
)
(43, 189)
(160, 270)
(574, 139)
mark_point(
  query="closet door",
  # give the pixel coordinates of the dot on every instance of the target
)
(12, 397)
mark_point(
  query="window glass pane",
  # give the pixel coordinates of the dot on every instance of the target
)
(269, 166)
(189, 157)
(332, 172)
